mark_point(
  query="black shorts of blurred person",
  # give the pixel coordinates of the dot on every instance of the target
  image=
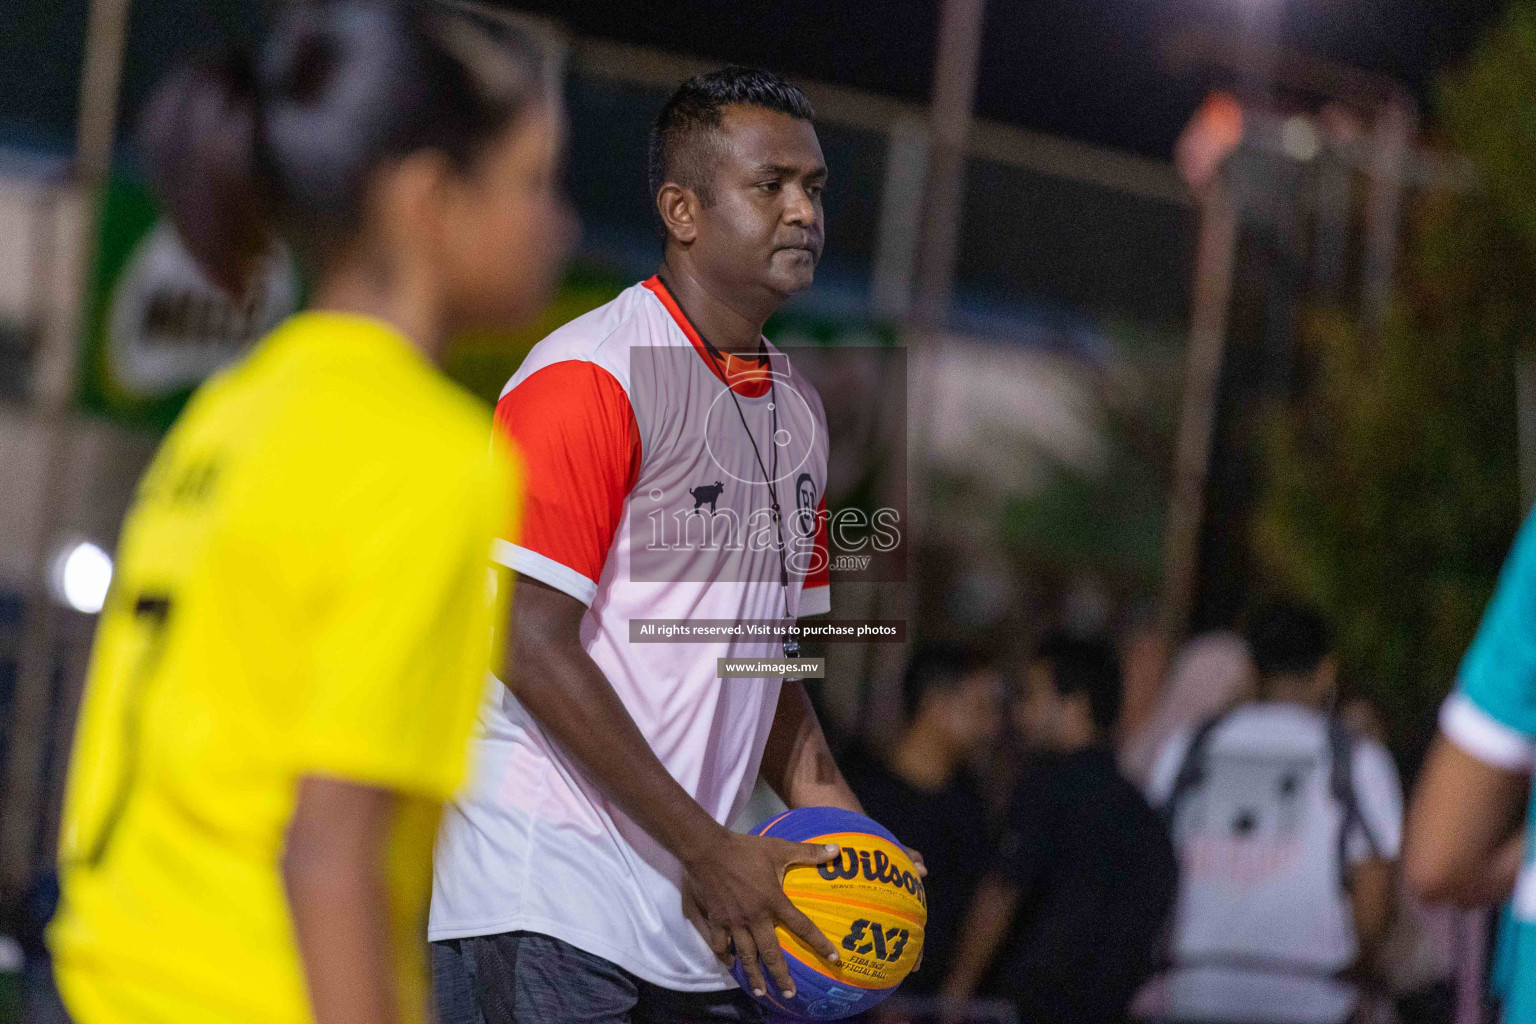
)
(1068, 920)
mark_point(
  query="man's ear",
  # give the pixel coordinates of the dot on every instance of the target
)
(679, 209)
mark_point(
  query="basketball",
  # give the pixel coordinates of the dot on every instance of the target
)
(868, 901)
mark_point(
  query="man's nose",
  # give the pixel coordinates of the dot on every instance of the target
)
(799, 210)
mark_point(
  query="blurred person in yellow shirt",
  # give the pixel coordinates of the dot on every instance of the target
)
(288, 668)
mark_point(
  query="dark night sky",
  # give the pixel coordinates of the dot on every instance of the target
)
(1087, 69)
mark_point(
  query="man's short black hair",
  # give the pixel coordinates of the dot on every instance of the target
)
(682, 146)
(1288, 640)
(938, 666)
(1088, 666)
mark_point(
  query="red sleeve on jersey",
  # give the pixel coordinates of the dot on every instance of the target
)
(580, 447)
(819, 576)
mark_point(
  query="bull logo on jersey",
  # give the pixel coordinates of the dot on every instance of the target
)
(708, 493)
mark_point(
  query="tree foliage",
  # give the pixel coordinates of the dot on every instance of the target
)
(1391, 479)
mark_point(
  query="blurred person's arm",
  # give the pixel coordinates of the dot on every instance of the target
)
(1024, 849)
(981, 936)
(334, 873)
(1374, 851)
(1462, 841)
(797, 763)
(1372, 894)
(381, 737)
(1470, 794)
(1165, 768)
(1497, 883)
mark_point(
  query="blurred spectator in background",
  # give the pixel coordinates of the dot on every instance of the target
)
(1288, 826)
(1212, 672)
(924, 792)
(1069, 918)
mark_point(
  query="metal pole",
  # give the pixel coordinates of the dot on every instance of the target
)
(53, 384)
(1214, 262)
(949, 125)
(1391, 151)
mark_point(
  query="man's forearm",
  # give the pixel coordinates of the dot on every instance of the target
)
(797, 762)
(573, 701)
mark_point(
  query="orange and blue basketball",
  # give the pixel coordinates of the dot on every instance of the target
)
(868, 901)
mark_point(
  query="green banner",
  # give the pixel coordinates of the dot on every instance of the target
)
(156, 327)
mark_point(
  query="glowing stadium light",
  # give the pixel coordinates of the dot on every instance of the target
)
(81, 574)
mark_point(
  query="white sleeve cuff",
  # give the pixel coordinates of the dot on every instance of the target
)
(544, 569)
(815, 600)
(1485, 737)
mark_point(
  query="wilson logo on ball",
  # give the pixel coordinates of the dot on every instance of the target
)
(874, 866)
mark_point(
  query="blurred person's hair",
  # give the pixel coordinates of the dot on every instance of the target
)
(1288, 640)
(684, 136)
(936, 666)
(1211, 672)
(1088, 666)
(283, 138)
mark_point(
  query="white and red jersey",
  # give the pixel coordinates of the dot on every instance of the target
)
(644, 499)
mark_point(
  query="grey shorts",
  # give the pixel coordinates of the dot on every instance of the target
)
(528, 978)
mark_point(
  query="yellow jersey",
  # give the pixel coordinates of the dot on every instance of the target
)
(302, 589)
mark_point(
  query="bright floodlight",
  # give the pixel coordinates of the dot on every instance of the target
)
(82, 575)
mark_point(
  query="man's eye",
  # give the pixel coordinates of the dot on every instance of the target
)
(815, 191)
(770, 186)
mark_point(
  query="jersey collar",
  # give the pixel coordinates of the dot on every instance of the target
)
(749, 378)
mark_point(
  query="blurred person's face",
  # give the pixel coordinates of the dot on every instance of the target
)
(969, 712)
(763, 229)
(505, 228)
(1045, 719)
(1039, 710)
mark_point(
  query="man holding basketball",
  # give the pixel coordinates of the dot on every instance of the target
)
(588, 875)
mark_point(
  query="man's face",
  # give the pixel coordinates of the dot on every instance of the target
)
(763, 229)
